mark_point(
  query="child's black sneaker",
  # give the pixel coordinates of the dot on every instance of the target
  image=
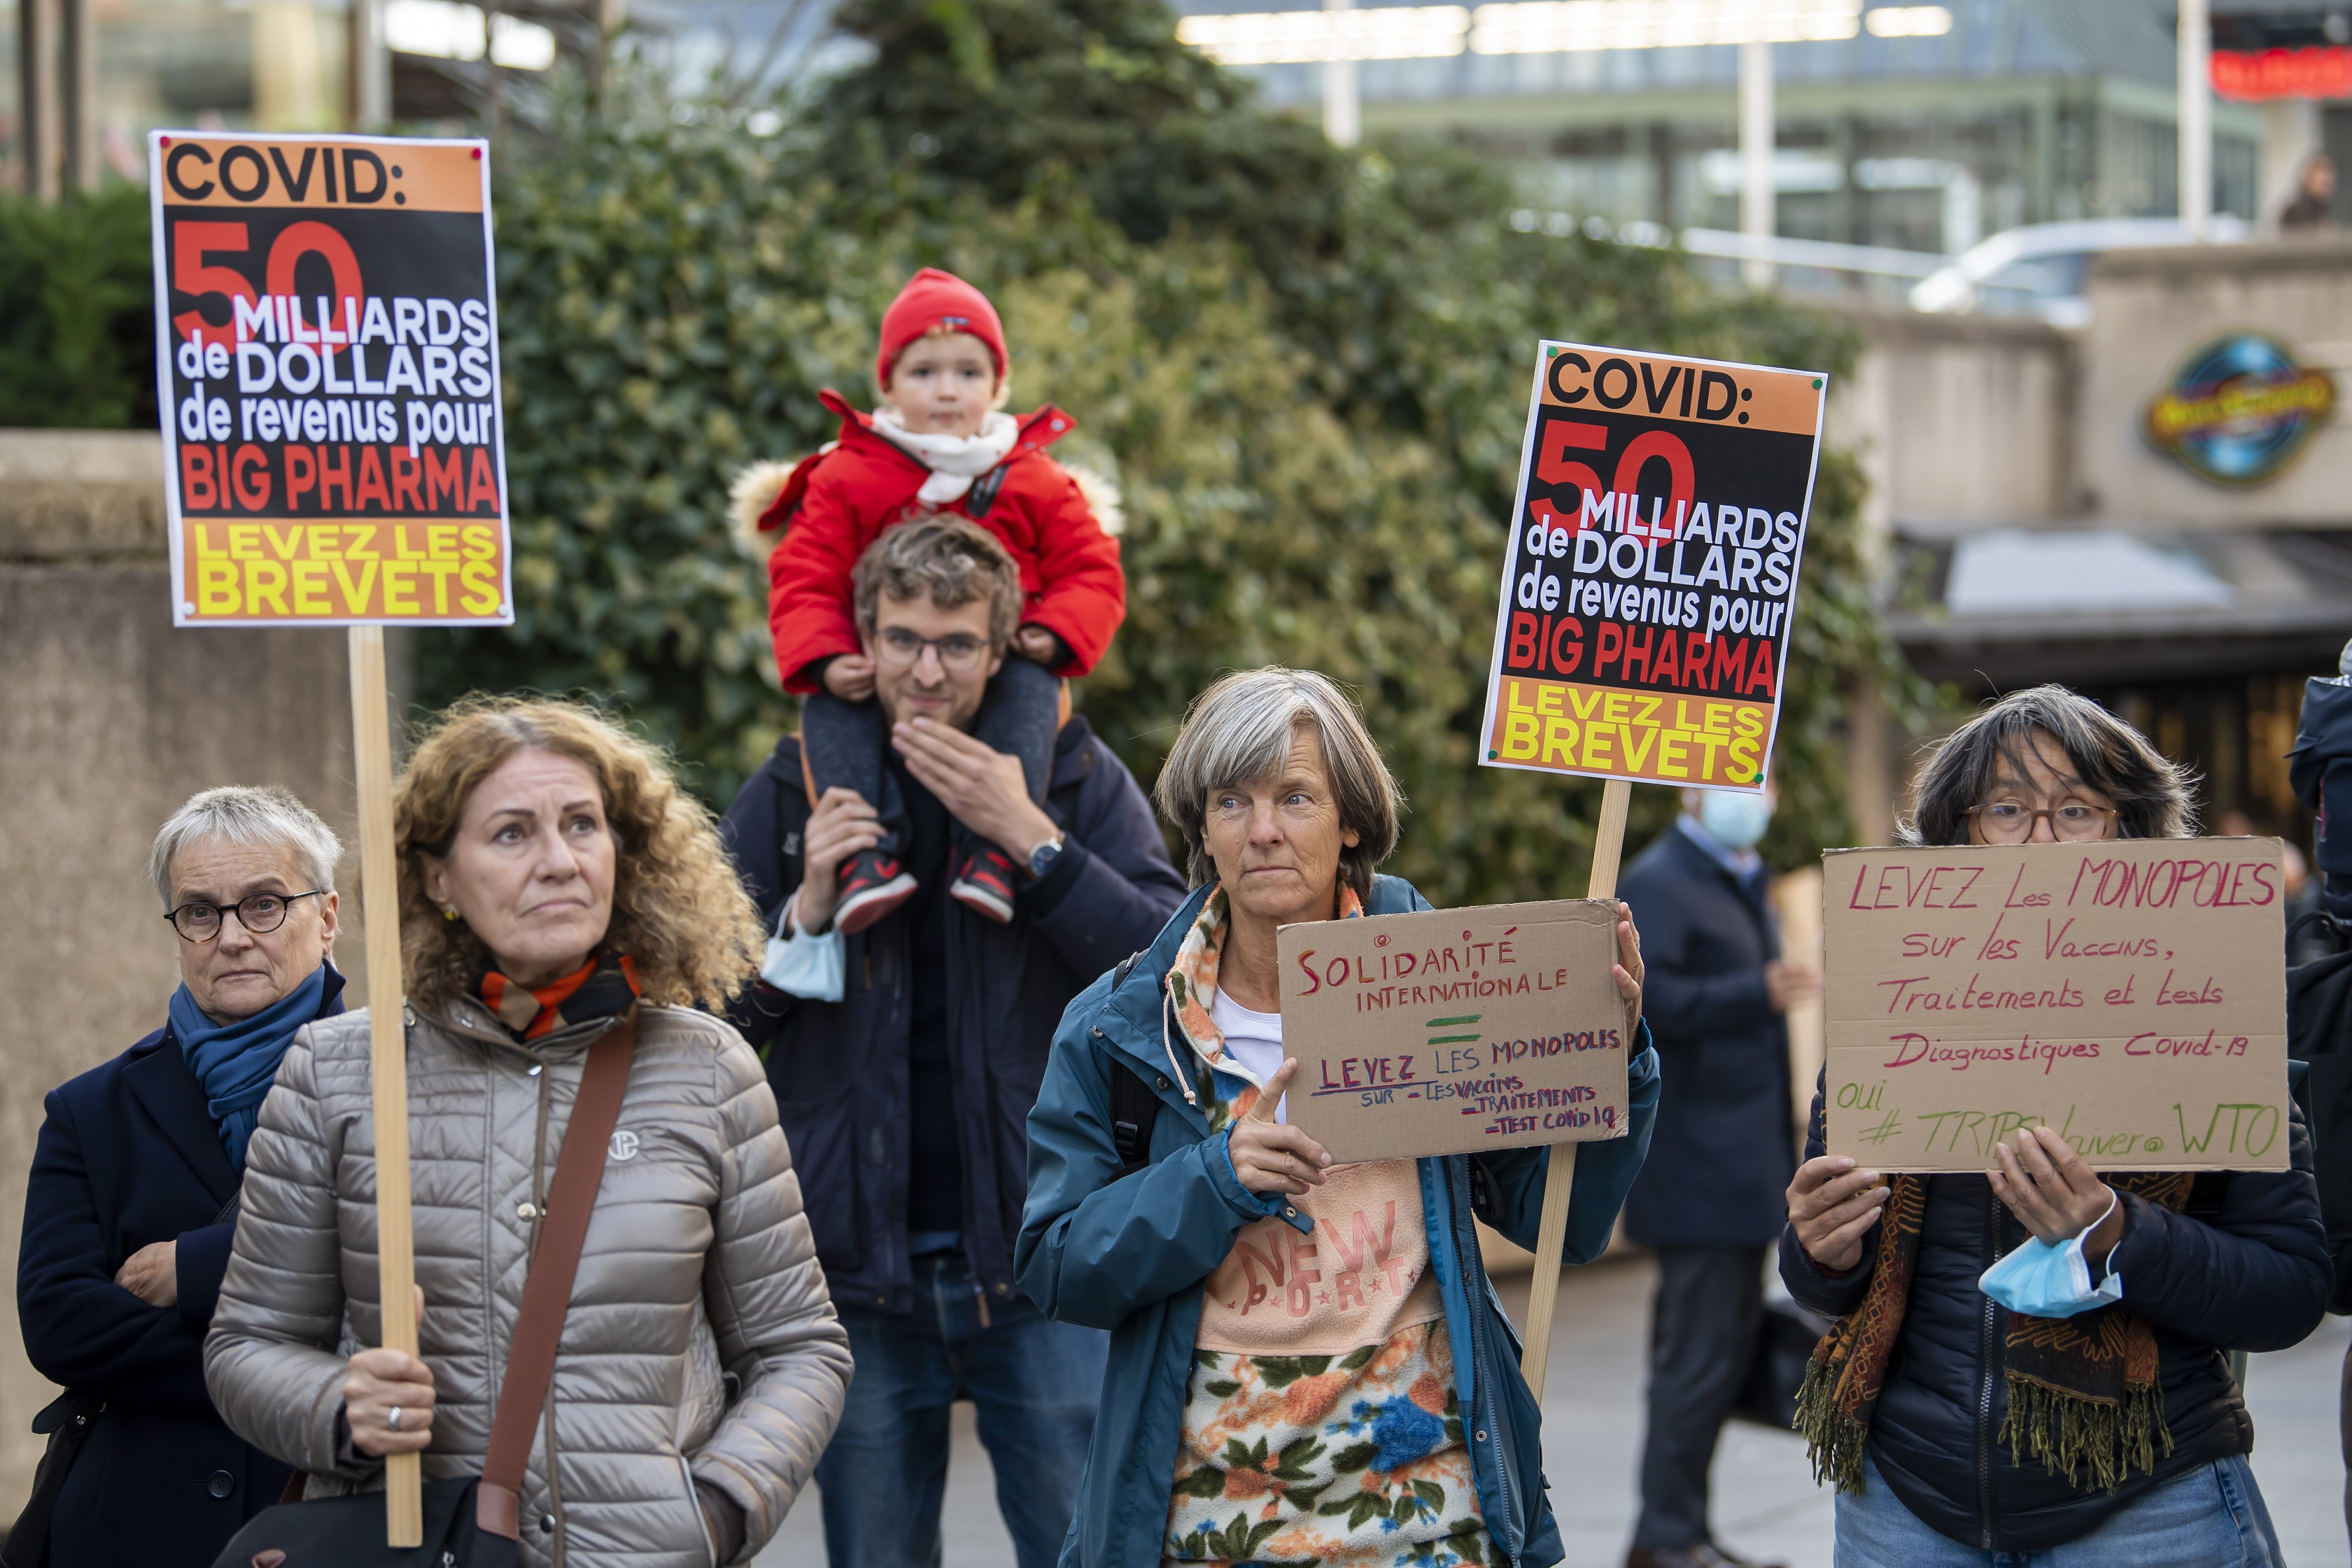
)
(983, 884)
(872, 885)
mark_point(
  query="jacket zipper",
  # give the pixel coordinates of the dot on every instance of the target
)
(1988, 1368)
(1473, 1270)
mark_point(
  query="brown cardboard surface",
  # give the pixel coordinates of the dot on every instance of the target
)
(2132, 995)
(1455, 1031)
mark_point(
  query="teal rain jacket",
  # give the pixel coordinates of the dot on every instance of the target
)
(1130, 1254)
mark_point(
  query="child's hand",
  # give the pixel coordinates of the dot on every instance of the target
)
(850, 677)
(1039, 646)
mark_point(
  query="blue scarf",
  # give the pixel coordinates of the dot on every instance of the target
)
(236, 1063)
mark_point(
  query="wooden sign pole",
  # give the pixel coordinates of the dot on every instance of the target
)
(388, 1052)
(1559, 1178)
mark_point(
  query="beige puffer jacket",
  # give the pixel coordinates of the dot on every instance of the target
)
(700, 1344)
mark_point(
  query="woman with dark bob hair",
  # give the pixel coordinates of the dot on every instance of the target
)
(555, 884)
(1960, 1433)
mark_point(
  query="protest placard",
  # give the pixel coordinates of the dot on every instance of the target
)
(2131, 994)
(327, 360)
(1642, 632)
(1455, 1031)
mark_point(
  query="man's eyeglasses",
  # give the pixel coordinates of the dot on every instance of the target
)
(959, 651)
(2011, 821)
(259, 913)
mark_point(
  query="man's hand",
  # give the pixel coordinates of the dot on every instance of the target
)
(981, 788)
(1039, 646)
(378, 1381)
(1832, 1207)
(2054, 1191)
(152, 1274)
(1269, 1157)
(842, 825)
(850, 677)
(1786, 983)
(1628, 970)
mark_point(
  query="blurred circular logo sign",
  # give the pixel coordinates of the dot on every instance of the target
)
(2239, 409)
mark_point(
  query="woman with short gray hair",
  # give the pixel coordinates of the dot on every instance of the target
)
(1166, 1190)
(132, 1207)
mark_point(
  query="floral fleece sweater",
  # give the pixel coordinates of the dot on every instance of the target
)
(1320, 1423)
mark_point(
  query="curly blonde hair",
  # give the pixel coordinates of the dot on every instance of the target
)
(678, 909)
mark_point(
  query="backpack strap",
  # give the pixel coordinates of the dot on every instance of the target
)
(547, 1289)
(1134, 1104)
(982, 496)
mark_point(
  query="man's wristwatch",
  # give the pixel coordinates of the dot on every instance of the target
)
(1042, 858)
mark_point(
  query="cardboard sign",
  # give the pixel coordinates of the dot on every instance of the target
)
(327, 358)
(2131, 994)
(1455, 1031)
(1644, 628)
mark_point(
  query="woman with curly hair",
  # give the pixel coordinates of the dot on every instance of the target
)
(554, 882)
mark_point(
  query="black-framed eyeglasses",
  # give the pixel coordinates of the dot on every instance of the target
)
(959, 651)
(258, 913)
(2011, 821)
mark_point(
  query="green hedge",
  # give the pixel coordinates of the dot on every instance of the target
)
(76, 322)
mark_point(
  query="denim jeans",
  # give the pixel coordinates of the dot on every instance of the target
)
(2212, 1516)
(1035, 1383)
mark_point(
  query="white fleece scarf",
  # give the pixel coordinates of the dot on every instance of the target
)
(954, 460)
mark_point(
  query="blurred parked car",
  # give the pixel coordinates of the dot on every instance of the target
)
(2039, 270)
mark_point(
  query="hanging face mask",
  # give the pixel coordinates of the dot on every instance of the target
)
(1737, 821)
(2045, 1282)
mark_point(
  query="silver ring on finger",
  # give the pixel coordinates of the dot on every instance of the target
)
(393, 1420)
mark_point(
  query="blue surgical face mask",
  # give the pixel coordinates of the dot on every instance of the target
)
(2045, 1282)
(1737, 821)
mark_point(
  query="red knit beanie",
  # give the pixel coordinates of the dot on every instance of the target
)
(936, 299)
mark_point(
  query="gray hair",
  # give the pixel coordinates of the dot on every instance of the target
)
(250, 814)
(1239, 731)
(2150, 792)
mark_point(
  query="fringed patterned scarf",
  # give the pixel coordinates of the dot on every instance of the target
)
(2084, 1399)
(605, 985)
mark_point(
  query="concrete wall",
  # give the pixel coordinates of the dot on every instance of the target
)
(111, 719)
(1958, 417)
(2150, 308)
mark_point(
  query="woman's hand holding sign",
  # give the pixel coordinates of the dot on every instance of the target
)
(1268, 1156)
(1832, 1207)
(2055, 1193)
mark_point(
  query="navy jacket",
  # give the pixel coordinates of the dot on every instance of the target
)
(1726, 1140)
(2246, 1268)
(839, 1068)
(129, 1155)
(1131, 1253)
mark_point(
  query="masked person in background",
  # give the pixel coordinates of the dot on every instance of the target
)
(1709, 1199)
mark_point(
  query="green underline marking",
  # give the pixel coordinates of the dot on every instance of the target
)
(1466, 1019)
(1455, 1040)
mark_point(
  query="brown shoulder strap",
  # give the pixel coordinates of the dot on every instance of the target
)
(547, 1290)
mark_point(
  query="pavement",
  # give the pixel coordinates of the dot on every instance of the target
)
(1766, 1503)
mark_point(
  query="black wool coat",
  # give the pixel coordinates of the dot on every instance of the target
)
(128, 1155)
(1726, 1138)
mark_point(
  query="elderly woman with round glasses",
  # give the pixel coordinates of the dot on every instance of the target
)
(132, 1205)
(1959, 1432)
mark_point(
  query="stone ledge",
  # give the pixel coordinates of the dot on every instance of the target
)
(81, 495)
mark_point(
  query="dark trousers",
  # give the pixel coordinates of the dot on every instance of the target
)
(843, 741)
(1703, 1328)
(1035, 1383)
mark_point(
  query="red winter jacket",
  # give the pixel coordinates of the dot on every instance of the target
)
(836, 503)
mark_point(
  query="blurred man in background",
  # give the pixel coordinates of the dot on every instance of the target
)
(1707, 1201)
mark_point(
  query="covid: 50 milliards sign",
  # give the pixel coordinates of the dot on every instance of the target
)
(1642, 632)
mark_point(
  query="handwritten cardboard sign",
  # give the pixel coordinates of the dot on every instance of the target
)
(1643, 627)
(327, 357)
(1455, 1031)
(2131, 994)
